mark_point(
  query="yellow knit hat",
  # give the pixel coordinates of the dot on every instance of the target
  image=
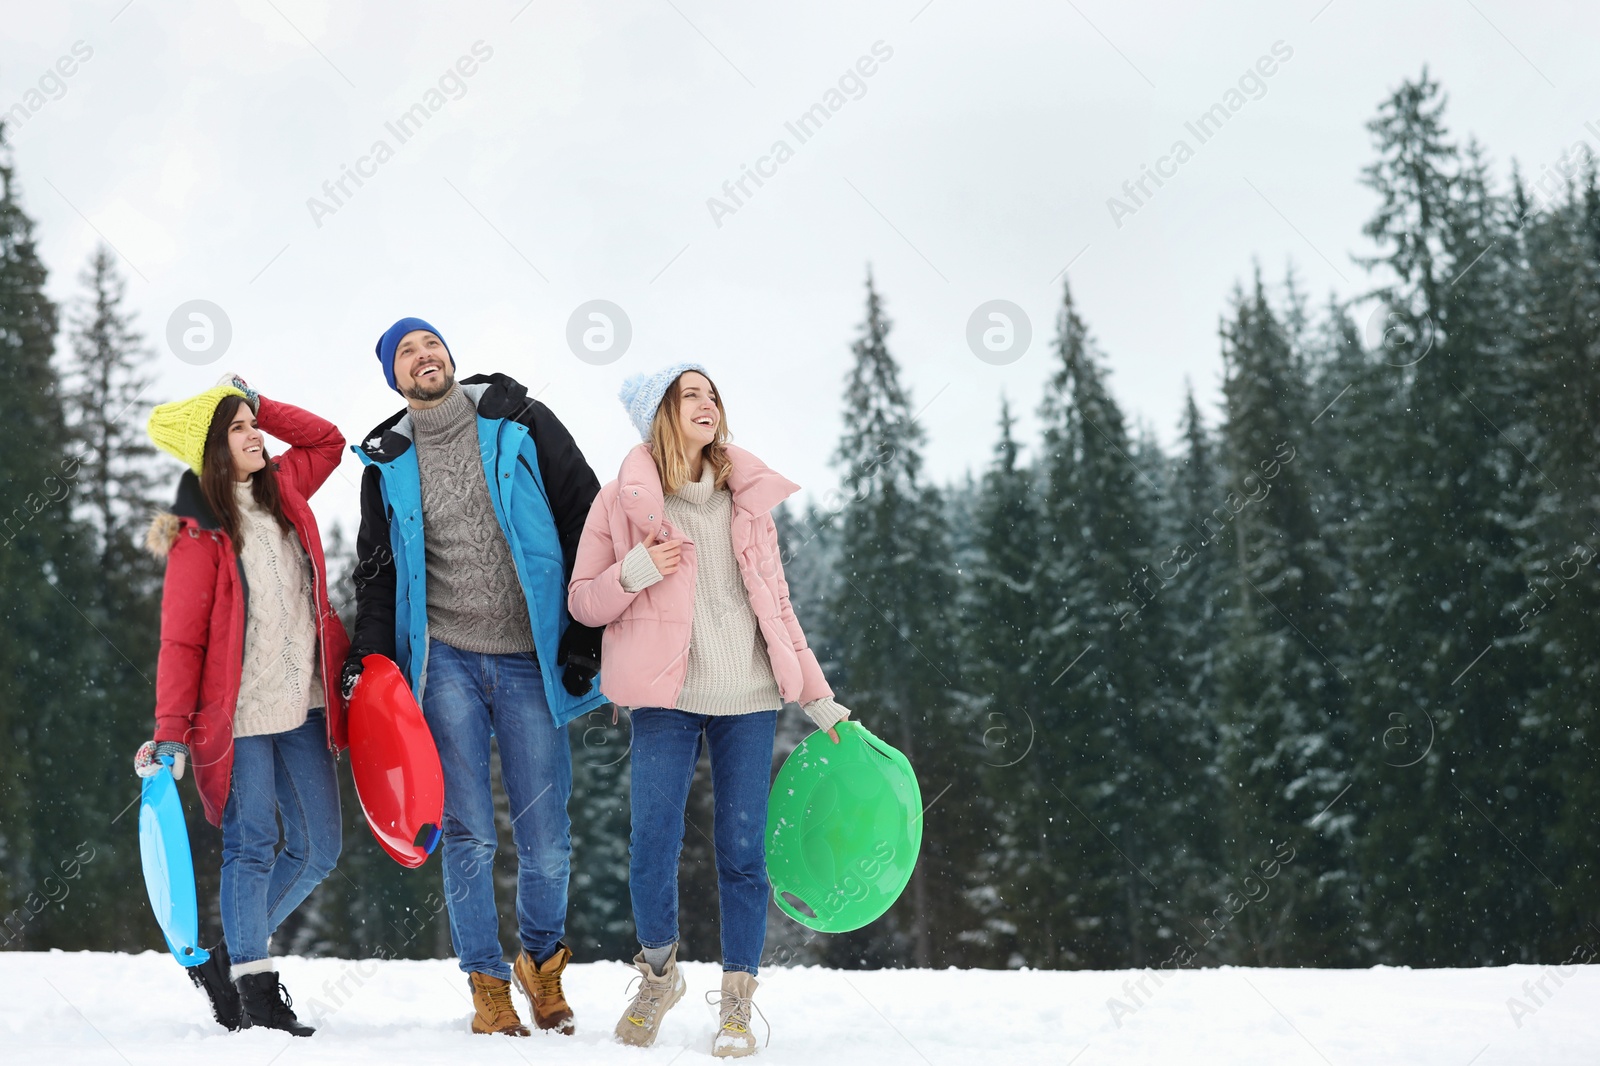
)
(179, 428)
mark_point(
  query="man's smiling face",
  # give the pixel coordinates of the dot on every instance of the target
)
(422, 366)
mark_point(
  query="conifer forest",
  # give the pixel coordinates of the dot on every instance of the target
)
(1314, 687)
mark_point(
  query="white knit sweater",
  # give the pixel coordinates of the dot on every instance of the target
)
(281, 680)
(729, 670)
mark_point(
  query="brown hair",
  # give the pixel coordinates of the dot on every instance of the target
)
(217, 477)
(671, 451)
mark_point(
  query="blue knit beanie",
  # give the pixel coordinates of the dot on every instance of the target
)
(391, 340)
(641, 394)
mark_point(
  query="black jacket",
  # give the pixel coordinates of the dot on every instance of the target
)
(570, 485)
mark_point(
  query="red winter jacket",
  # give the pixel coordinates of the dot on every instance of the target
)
(203, 605)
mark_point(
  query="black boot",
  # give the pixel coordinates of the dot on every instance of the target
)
(266, 1003)
(211, 977)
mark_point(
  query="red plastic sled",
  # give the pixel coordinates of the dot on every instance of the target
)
(396, 765)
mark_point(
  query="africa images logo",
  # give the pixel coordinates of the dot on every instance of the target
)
(804, 127)
(451, 85)
(1252, 85)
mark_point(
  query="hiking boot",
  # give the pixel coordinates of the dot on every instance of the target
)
(657, 993)
(494, 1011)
(211, 977)
(542, 982)
(734, 1039)
(265, 1002)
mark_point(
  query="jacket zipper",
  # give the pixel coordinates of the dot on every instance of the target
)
(537, 483)
(244, 612)
(533, 621)
(244, 620)
(322, 657)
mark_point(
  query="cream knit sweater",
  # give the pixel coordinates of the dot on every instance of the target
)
(729, 671)
(281, 679)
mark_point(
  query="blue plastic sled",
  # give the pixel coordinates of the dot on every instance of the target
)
(168, 865)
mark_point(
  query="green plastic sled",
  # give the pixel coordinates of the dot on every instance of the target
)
(844, 826)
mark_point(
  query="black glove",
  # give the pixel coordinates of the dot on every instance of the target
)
(349, 675)
(578, 677)
(579, 658)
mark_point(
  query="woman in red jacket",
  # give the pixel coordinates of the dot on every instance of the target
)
(247, 682)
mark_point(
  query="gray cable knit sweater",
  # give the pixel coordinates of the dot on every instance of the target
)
(475, 602)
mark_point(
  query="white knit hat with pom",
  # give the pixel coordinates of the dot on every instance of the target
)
(641, 393)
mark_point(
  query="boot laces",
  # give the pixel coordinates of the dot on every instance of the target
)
(282, 1006)
(735, 1012)
(548, 984)
(647, 1001)
(499, 1000)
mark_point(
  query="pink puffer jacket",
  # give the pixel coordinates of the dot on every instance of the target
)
(645, 650)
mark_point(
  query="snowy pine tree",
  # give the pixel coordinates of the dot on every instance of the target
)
(1283, 756)
(1112, 738)
(1015, 882)
(1443, 676)
(1557, 619)
(109, 375)
(893, 617)
(56, 768)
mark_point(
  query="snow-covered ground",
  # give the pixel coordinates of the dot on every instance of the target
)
(70, 1009)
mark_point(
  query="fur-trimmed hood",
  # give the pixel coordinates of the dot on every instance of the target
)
(189, 506)
(163, 530)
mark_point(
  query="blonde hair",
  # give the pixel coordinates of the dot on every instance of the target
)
(671, 452)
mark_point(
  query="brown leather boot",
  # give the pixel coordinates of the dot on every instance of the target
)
(494, 1011)
(542, 983)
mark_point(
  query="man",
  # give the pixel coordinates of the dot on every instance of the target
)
(472, 505)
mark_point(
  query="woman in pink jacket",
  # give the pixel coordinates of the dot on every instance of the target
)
(679, 561)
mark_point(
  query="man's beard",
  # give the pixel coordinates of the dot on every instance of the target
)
(426, 393)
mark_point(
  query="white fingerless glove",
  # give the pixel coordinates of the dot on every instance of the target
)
(251, 397)
(638, 570)
(825, 713)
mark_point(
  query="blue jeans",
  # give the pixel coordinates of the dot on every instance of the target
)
(286, 776)
(666, 746)
(469, 697)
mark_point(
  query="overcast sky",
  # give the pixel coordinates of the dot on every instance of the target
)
(560, 154)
